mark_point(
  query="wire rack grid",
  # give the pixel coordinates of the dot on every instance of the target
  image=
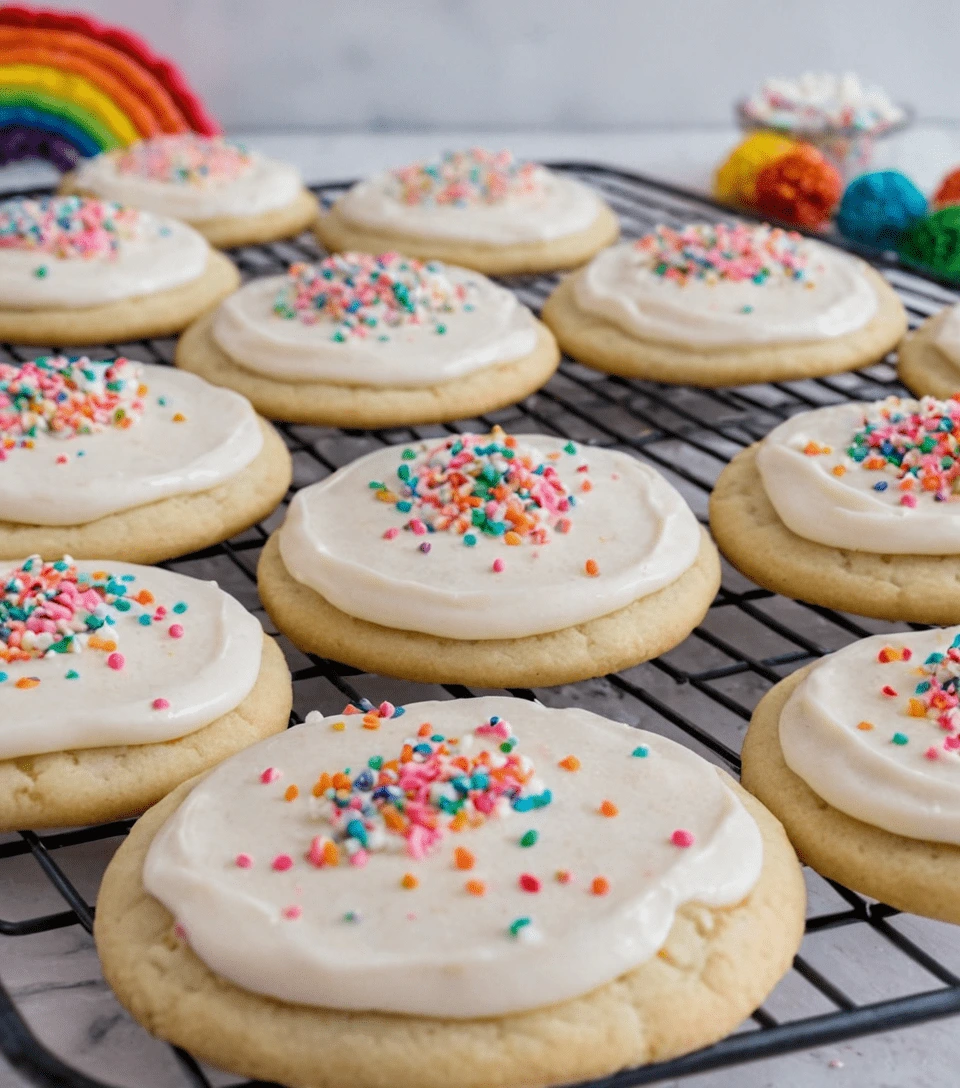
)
(863, 967)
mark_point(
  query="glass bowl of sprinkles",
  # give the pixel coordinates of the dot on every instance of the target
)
(841, 115)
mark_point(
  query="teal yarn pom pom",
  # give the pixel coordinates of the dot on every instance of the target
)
(878, 209)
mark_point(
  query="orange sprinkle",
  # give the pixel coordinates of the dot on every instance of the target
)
(459, 821)
(592, 567)
(95, 642)
(812, 449)
(608, 808)
(322, 784)
(331, 855)
(865, 726)
(586, 486)
(27, 682)
(917, 708)
(510, 442)
(463, 859)
(383, 495)
(371, 721)
(179, 418)
(600, 885)
(875, 463)
(144, 597)
(906, 484)
(408, 880)
(569, 763)
(291, 793)
(99, 575)
(425, 730)
(394, 820)
(341, 781)
(511, 538)
(142, 390)
(838, 470)
(564, 876)
(930, 483)
(476, 887)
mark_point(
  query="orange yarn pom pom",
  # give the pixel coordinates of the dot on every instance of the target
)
(949, 191)
(801, 188)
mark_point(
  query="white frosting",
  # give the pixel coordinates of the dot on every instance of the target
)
(437, 950)
(632, 523)
(845, 510)
(496, 330)
(562, 206)
(202, 675)
(620, 285)
(820, 100)
(119, 469)
(903, 774)
(266, 185)
(165, 253)
(947, 336)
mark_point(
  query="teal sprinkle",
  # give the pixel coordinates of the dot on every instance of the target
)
(61, 566)
(122, 605)
(128, 577)
(900, 738)
(517, 924)
(3, 677)
(352, 916)
(376, 485)
(144, 620)
(529, 838)
(404, 506)
(469, 539)
(641, 751)
(923, 686)
(162, 401)
(73, 675)
(41, 271)
(441, 329)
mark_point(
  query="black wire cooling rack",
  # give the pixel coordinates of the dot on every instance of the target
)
(863, 967)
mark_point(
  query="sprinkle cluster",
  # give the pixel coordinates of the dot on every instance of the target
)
(820, 100)
(185, 159)
(435, 785)
(473, 484)
(465, 178)
(66, 226)
(66, 396)
(935, 697)
(916, 443)
(50, 608)
(717, 253)
(363, 296)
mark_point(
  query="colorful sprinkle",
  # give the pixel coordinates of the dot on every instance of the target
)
(185, 159)
(682, 838)
(467, 178)
(600, 885)
(66, 226)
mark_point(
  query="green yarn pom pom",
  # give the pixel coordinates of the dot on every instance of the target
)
(934, 243)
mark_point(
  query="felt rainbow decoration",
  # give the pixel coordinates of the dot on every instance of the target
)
(71, 86)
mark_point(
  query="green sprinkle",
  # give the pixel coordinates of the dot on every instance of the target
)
(376, 485)
(375, 763)
(529, 838)
(408, 455)
(641, 751)
(569, 448)
(517, 924)
(40, 271)
(352, 916)
(441, 329)
(900, 738)
(73, 675)
(122, 605)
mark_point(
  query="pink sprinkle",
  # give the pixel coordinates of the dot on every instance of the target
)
(386, 710)
(244, 861)
(160, 704)
(529, 882)
(271, 774)
(908, 500)
(932, 753)
(359, 859)
(392, 532)
(282, 862)
(62, 459)
(176, 630)
(180, 931)
(417, 527)
(682, 838)
(498, 566)
(292, 913)
(116, 661)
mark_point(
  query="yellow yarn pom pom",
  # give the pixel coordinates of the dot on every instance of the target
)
(733, 183)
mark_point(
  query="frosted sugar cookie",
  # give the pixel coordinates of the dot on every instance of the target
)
(130, 460)
(717, 305)
(232, 196)
(929, 357)
(363, 341)
(859, 756)
(545, 894)
(854, 507)
(489, 560)
(119, 682)
(477, 208)
(82, 271)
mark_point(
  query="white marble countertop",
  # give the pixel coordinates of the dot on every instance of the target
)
(922, 1057)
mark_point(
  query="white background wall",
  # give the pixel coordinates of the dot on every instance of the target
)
(532, 64)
